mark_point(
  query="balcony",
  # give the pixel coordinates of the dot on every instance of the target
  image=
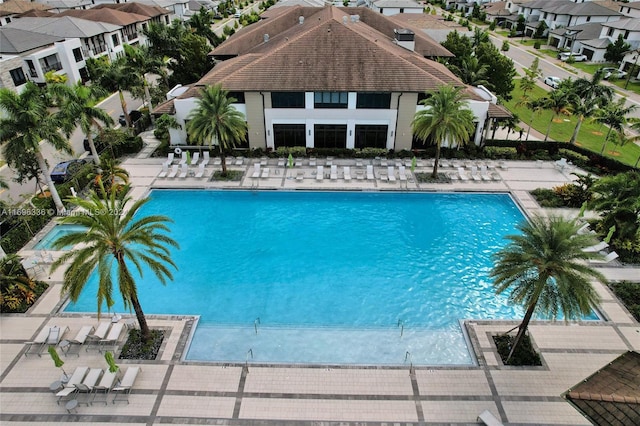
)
(54, 66)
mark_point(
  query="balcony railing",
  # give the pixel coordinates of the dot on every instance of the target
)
(55, 66)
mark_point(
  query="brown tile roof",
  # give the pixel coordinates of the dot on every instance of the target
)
(498, 111)
(37, 14)
(424, 22)
(14, 7)
(611, 396)
(112, 16)
(139, 8)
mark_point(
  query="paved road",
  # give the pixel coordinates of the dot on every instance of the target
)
(18, 192)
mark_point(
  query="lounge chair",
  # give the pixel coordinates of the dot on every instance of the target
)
(489, 419)
(183, 158)
(320, 173)
(300, 176)
(256, 171)
(462, 174)
(86, 386)
(78, 340)
(608, 258)
(170, 158)
(36, 345)
(453, 176)
(496, 176)
(217, 161)
(265, 173)
(370, 175)
(474, 174)
(53, 336)
(402, 174)
(112, 338)
(334, 172)
(584, 229)
(165, 170)
(383, 162)
(313, 162)
(347, 173)
(484, 173)
(173, 172)
(561, 164)
(281, 162)
(195, 158)
(124, 387)
(105, 386)
(70, 386)
(596, 248)
(391, 174)
(184, 170)
(298, 163)
(98, 334)
(200, 171)
(205, 158)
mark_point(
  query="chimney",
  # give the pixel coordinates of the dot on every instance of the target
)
(405, 38)
(301, 20)
(265, 38)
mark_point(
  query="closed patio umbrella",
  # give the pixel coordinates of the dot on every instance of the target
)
(290, 160)
(108, 356)
(56, 359)
(607, 239)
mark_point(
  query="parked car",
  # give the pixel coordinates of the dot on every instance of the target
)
(564, 56)
(65, 170)
(552, 81)
(237, 14)
(613, 73)
(133, 115)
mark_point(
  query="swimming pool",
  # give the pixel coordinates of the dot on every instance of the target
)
(332, 278)
(46, 243)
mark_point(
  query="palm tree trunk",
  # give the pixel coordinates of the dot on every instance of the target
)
(529, 128)
(605, 141)
(223, 161)
(123, 103)
(546, 136)
(435, 163)
(522, 329)
(145, 333)
(574, 136)
(147, 95)
(92, 147)
(47, 178)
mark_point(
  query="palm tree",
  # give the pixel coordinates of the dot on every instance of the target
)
(614, 115)
(446, 118)
(139, 61)
(78, 105)
(113, 233)
(109, 174)
(590, 95)
(545, 269)
(114, 76)
(215, 121)
(472, 72)
(559, 102)
(27, 121)
(617, 200)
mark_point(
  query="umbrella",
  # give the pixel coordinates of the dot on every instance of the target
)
(188, 157)
(413, 163)
(582, 209)
(108, 356)
(56, 359)
(290, 160)
(607, 239)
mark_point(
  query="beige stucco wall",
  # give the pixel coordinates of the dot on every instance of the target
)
(5, 66)
(255, 118)
(406, 111)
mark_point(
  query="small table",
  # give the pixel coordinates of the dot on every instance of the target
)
(71, 406)
(56, 386)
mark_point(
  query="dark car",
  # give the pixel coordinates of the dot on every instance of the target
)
(64, 171)
(133, 115)
(99, 146)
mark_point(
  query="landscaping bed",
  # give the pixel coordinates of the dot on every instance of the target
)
(525, 355)
(134, 348)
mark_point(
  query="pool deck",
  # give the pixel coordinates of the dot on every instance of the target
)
(169, 390)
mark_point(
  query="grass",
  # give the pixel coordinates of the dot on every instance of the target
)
(591, 135)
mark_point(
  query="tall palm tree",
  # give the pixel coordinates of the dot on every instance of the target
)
(614, 115)
(617, 200)
(109, 174)
(545, 269)
(215, 121)
(114, 234)
(78, 105)
(590, 95)
(26, 122)
(115, 76)
(472, 72)
(446, 118)
(139, 61)
(559, 102)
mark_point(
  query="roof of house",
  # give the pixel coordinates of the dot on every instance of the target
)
(160, 3)
(588, 31)
(498, 8)
(611, 395)
(539, 4)
(631, 24)
(632, 5)
(37, 14)
(13, 7)
(305, 3)
(15, 40)
(424, 22)
(397, 4)
(139, 8)
(64, 26)
(596, 43)
(112, 16)
(67, 4)
(588, 8)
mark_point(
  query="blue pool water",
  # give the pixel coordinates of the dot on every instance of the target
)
(46, 243)
(366, 278)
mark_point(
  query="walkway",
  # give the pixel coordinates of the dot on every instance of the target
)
(172, 391)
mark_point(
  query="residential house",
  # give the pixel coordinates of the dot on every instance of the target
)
(435, 26)
(62, 5)
(328, 78)
(393, 7)
(584, 38)
(131, 24)
(10, 9)
(178, 9)
(630, 9)
(156, 14)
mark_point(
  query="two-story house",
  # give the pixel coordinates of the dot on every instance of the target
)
(394, 7)
(155, 14)
(564, 13)
(131, 23)
(10, 9)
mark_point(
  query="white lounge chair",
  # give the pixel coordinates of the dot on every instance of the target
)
(489, 419)
(608, 258)
(70, 386)
(200, 172)
(184, 170)
(78, 340)
(596, 248)
(484, 173)
(474, 174)
(205, 158)
(584, 229)
(124, 387)
(105, 386)
(370, 174)
(217, 161)
(165, 170)
(334, 172)
(320, 173)
(281, 162)
(174, 171)
(112, 338)
(391, 174)
(347, 173)
(195, 158)
(256, 171)
(265, 173)
(183, 158)
(313, 162)
(402, 174)
(98, 334)
(170, 158)
(462, 174)
(87, 384)
(561, 164)
(36, 345)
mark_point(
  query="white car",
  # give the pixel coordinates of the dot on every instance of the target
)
(574, 56)
(552, 81)
(613, 73)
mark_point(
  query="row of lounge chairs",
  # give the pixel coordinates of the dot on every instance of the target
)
(103, 337)
(476, 174)
(89, 385)
(597, 248)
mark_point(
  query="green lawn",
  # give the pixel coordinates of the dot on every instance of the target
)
(591, 134)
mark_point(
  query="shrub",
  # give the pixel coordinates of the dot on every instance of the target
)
(547, 198)
(497, 152)
(536, 45)
(525, 355)
(505, 46)
(296, 151)
(492, 26)
(629, 295)
(570, 194)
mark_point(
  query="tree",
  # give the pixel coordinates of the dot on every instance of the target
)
(215, 121)
(559, 102)
(16, 287)
(501, 70)
(201, 23)
(531, 75)
(544, 266)
(460, 45)
(114, 76)
(139, 61)
(192, 61)
(114, 234)
(479, 36)
(164, 40)
(521, 24)
(540, 30)
(472, 72)
(590, 95)
(616, 50)
(78, 105)
(614, 115)
(28, 121)
(446, 118)
(109, 174)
